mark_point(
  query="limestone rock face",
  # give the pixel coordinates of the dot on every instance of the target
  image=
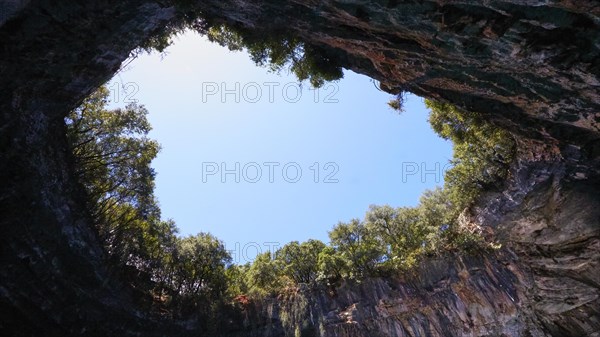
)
(531, 66)
(543, 282)
(459, 296)
(10, 8)
(53, 281)
(533, 63)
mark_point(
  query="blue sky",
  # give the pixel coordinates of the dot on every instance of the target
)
(307, 159)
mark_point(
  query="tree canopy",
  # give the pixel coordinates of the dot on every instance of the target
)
(112, 158)
(482, 151)
(275, 49)
(112, 155)
(279, 51)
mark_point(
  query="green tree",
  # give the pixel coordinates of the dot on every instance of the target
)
(402, 231)
(436, 209)
(300, 260)
(113, 153)
(161, 243)
(200, 266)
(237, 284)
(264, 277)
(440, 214)
(358, 246)
(272, 47)
(332, 266)
(112, 156)
(482, 151)
(279, 51)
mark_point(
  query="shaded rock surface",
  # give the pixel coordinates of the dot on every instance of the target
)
(530, 66)
(543, 282)
(458, 296)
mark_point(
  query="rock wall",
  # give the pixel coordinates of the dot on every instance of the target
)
(53, 281)
(459, 296)
(530, 66)
(534, 64)
(543, 282)
(10, 8)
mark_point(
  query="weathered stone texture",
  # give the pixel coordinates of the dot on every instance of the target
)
(532, 67)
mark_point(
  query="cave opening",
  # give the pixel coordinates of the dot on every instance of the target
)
(268, 164)
(55, 275)
(259, 159)
(269, 173)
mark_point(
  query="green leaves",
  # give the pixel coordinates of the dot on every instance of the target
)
(200, 265)
(332, 267)
(358, 246)
(236, 279)
(112, 158)
(264, 277)
(482, 155)
(300, 260)
(401, 230)
(279, 51)
(482, 152)
(113, 155)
